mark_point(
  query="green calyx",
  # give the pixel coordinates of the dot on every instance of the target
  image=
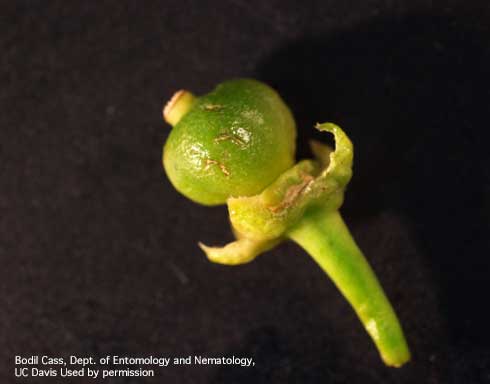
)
(236, 145)
(260, 221)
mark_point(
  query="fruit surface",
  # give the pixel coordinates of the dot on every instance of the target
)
(232, 142)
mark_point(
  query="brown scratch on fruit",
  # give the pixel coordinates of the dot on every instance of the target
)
(222, 167)
(208, 163)
(212, 107)
(292, 194)
(224, 170)
(231, 137)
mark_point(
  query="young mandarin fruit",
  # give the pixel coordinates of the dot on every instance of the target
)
(234, 141)
(235, 145)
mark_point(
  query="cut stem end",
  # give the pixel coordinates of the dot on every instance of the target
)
(178, 106)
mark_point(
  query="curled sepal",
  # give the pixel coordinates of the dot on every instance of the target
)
(240, 251)
(340, 164)
(268, 216)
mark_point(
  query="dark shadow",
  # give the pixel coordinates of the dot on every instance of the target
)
(276, 361)
(413, 94)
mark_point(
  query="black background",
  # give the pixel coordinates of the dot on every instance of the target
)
(99, 252)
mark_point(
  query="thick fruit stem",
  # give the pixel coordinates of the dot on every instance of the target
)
(178, 106)
(327, 239)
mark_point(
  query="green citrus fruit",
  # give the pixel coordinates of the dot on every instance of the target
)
(232, 142)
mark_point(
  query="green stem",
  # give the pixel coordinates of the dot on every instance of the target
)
(327, 239)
